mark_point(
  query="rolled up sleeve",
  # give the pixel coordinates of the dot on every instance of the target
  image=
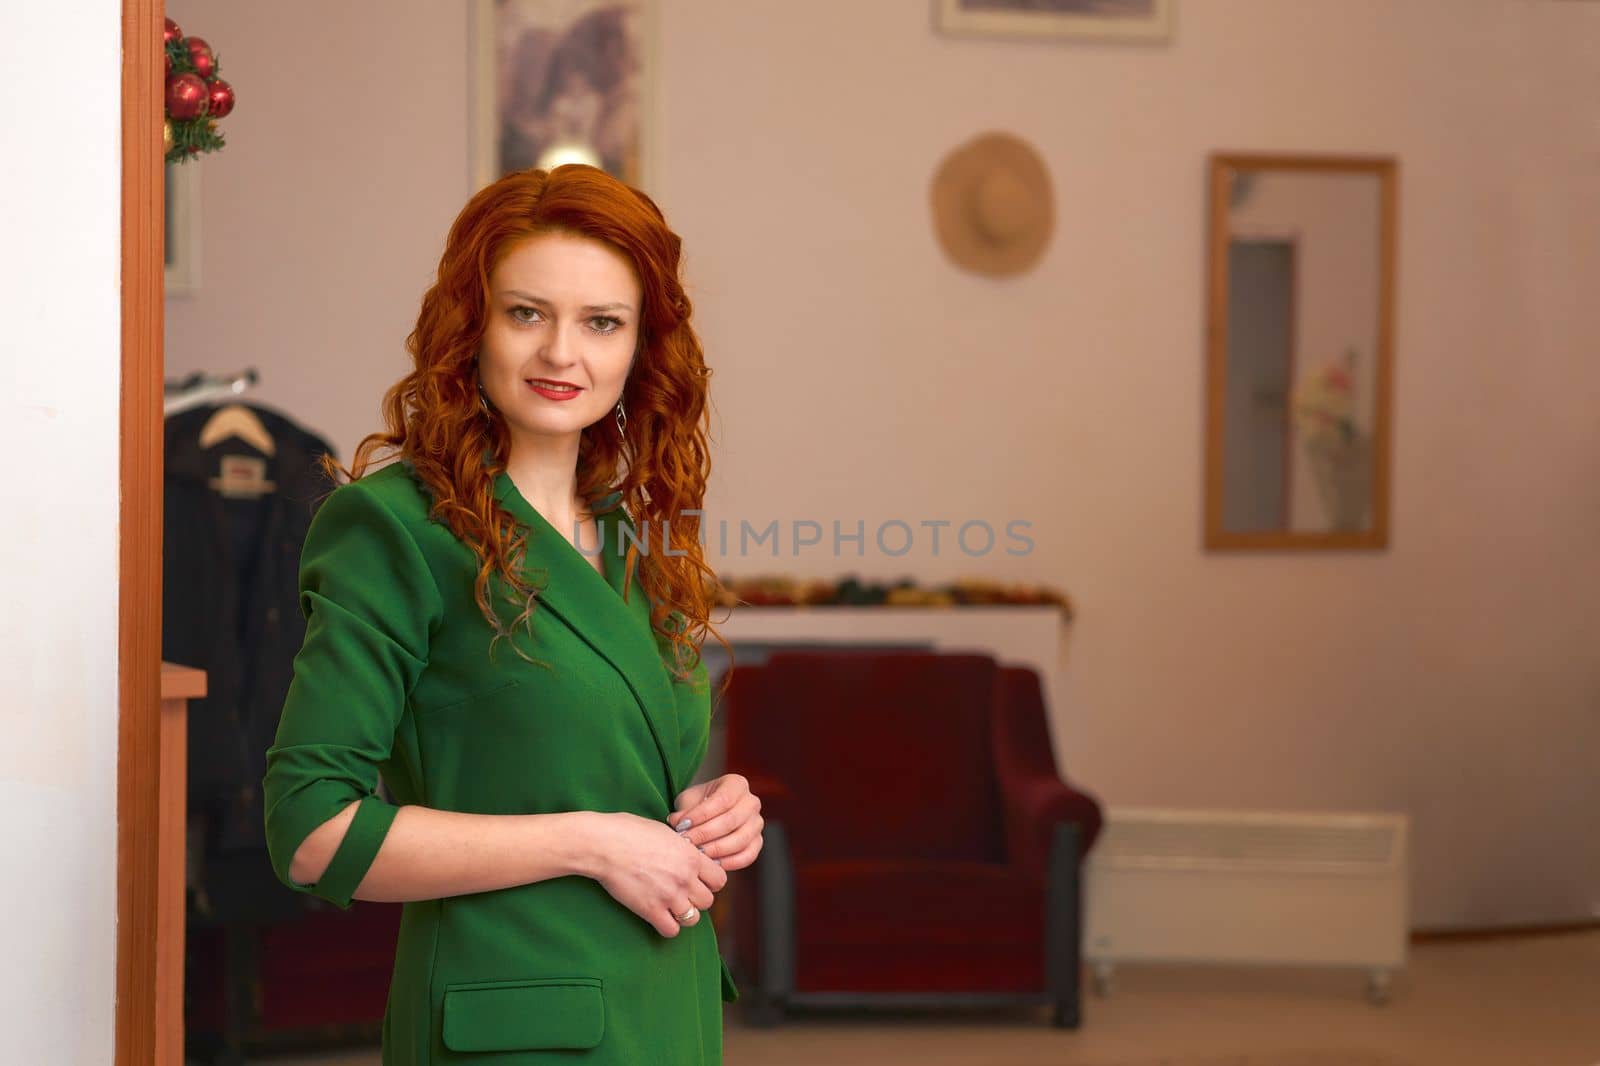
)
(370, 604)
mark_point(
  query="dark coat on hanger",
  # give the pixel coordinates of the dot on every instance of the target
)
(230, 607)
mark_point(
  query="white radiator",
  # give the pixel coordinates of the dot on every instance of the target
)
(1213, 886)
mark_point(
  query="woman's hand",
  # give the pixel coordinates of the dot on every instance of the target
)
(653, 872)
(724, 820)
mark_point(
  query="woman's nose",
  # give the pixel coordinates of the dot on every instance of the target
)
(561, 346)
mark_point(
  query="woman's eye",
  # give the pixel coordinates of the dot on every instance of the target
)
(602, 324)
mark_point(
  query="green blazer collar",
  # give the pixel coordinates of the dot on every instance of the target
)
(592, 607)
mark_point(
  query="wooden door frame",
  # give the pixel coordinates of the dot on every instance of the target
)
(139, 546)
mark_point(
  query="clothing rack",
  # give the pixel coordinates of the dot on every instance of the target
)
(230, 420)
(202, 388)
(241, 481)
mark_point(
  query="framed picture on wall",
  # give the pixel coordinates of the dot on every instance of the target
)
(562, 81)
(1102, 20)
(182, 238)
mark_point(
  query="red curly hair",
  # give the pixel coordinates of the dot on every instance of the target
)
(659, 464)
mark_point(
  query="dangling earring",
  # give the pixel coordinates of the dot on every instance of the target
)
(483, 397)
(622, 420)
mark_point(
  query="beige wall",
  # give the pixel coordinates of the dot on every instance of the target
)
(861, 376)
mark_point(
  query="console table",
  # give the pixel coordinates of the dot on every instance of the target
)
(179, 685)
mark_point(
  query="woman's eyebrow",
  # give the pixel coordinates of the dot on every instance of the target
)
(528, 296)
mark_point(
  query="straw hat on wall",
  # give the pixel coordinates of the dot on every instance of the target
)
(992, 205)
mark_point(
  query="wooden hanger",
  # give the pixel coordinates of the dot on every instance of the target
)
(237, 420)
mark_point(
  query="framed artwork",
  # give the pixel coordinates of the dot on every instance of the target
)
(1104, 20)
(182, 237)
(562, 81)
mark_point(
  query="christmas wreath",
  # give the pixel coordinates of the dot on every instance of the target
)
(196, 97)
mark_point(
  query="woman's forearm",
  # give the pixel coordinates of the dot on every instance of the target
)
(430, 854)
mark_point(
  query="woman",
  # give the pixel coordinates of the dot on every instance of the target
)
(553, 866)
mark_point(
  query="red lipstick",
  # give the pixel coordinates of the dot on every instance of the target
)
(551, 389)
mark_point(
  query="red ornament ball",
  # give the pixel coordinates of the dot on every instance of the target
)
(171, 33)
(187, 96)
(221, 99)
(205, 64)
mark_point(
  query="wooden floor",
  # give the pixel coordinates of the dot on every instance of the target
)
(1523, 1001)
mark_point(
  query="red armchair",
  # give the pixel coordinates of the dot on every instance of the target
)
(920, 847)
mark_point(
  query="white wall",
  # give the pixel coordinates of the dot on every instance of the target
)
(324, 216)
(60, 361)
(1454, 676)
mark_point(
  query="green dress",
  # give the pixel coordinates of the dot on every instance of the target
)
(395, 678)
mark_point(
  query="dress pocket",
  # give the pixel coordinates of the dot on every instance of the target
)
(530, 1015)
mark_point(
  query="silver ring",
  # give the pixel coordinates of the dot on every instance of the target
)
(687, 916)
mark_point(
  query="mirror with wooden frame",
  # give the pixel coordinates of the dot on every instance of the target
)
(1299, 351)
